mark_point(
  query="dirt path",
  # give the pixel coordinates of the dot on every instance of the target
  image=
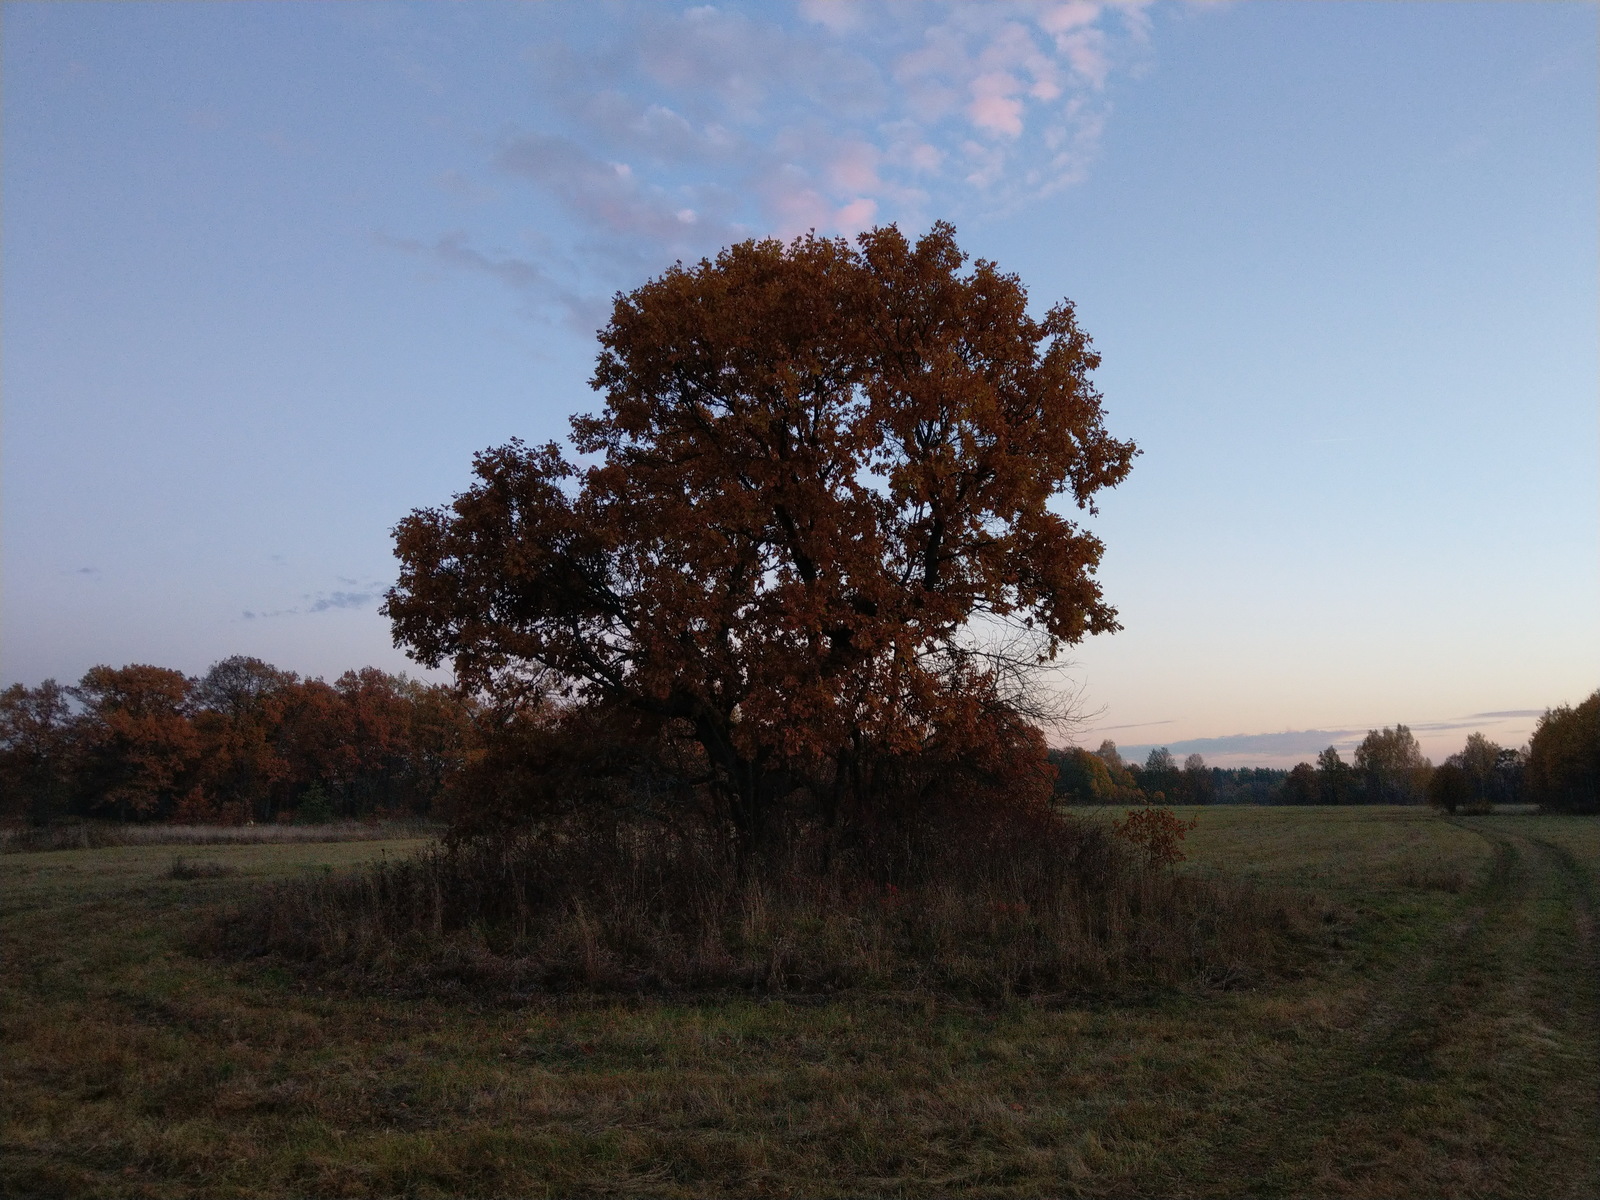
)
(1471, 1066)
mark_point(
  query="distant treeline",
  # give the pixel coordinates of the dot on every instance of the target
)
(244, 742)
(249, 742)
(1558, 769)
(1102, 777)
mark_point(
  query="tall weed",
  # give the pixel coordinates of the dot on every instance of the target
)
(1042, 907)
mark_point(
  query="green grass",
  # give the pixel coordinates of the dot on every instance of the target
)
(1443, 1042)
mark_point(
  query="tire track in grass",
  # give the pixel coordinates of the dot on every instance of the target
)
(1274, 1150)
(1449, 1085)
(1582, 884)
(1587, 904)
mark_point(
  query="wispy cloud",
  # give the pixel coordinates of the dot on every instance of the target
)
(679, 131)
(1140, 725)
(537, 285)
(617, 204)
(319, 602)
(331, 600)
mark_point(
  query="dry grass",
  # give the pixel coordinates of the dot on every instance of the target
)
(1053, 908)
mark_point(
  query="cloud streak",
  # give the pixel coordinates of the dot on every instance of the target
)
(321, 602)
(535, 282)
(1274, 745)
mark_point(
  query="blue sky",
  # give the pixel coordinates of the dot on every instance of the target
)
(273, 271)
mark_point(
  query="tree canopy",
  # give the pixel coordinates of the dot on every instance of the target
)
(817, 466)
(1563, 765)
(1392, 766)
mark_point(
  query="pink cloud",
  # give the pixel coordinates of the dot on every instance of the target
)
(994, 106)
(855, 216)
(837, 15)
(1085, 51)
(792, 204)
(686, 128)
(986, 163)
(855, 168)
(925, 157)
(1073, 15)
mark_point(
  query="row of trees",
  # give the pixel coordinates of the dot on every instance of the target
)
(1389, 768)
(1559, 769)
(1102, 777)
(245, 741)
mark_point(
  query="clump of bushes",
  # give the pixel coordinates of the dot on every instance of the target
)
(188, 868)
(1034, 905)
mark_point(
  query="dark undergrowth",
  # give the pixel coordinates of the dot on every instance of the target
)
(187, 868)
(1043, 907)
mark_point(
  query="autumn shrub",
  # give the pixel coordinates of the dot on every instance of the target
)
(1155, 832)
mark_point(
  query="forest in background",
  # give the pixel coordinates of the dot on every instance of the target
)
(1559, 768)
(245, 742)
(248, 742)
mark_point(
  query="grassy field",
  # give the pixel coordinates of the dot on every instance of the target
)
(97, 835)
(1444, 1041)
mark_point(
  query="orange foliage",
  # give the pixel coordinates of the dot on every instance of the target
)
(1156, 832)
(816, 465)
(135, 736)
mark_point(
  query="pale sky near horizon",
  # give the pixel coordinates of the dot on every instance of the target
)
(272, 272)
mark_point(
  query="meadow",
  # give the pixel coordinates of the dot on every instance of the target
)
(1440, 1036)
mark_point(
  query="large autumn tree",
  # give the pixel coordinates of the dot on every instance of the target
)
(819, 470)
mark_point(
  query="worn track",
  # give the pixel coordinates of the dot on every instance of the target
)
(1472, 1063)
